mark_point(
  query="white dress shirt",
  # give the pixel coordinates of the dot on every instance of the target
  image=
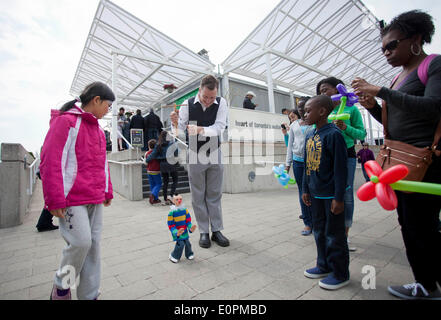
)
(213, 130)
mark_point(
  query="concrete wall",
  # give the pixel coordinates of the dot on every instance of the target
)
(126, 179)
(248, 166)
(14, 184)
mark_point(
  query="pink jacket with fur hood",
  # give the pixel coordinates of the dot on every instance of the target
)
(74, 168)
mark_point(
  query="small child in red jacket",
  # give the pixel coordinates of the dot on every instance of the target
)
(154, 174)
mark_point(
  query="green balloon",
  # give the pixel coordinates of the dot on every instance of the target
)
(419, 187)
(343, 116)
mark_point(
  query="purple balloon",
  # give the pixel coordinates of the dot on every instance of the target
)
(352, 97)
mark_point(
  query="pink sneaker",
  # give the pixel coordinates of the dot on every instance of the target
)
(55, 296)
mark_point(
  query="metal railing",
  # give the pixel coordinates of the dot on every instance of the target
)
(124, 164)
(128, 143)
(32, 173)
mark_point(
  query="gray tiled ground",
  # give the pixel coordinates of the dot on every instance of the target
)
(266, 258)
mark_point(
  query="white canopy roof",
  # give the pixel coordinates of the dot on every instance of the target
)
(146, 58)
(308, 41)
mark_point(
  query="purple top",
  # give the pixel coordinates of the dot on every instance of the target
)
(365, 155)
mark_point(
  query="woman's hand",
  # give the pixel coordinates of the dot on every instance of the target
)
(362, 87)
(367, 101)
(107, 203)
(59, 213)
(285, 131)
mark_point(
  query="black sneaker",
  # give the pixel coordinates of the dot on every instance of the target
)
(414, 291)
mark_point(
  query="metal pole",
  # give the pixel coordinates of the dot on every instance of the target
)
(371, 132)
(269, 75)
(226, 89)
(293, 101)
(115, 104)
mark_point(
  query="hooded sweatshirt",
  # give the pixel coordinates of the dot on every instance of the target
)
(326, 158)
(74, 168)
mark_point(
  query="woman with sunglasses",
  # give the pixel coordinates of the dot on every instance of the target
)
(413, 110)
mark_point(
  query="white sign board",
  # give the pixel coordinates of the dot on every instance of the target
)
(252, 125)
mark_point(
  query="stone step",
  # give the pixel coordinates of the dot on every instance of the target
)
(181, 190)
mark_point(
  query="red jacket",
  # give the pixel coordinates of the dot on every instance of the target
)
(153, 165)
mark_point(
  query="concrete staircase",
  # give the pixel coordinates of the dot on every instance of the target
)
(183, 183)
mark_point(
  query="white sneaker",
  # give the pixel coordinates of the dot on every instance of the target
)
(173, 259)
(191, 257)
(351, 249)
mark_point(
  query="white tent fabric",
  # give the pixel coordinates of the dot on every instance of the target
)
(146, 59)
(301, 42)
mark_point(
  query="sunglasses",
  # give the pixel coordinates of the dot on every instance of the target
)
(392, 45)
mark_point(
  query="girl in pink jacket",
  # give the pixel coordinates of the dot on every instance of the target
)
(76, 186)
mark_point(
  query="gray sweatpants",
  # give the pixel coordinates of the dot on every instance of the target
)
(81, 229)
(206, 194)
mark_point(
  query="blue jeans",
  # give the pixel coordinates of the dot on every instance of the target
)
(155, 182)
(365, 173)
(349, 194)
(330, 239)
(179, 247)
(298, 168)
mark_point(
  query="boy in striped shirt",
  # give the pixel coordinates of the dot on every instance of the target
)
(179, 223)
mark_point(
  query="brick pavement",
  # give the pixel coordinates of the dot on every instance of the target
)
(266, 258)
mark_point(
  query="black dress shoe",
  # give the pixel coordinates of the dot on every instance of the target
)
(204, 241)
(47, 228)
(220, 239)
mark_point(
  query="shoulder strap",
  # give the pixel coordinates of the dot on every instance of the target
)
(423, 75)
(423, 68)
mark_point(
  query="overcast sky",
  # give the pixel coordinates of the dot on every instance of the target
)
(41, 42)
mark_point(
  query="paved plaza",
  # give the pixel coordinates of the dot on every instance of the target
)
(265, 260)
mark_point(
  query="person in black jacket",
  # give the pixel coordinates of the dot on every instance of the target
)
(137, 122)
(413, 114)
(126, 130)
(324, 186)
(247, 104)
(168, 164)
(152, 126)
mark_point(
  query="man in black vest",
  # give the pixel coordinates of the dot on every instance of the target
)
(205, 116)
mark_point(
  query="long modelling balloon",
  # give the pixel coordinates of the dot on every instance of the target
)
(283, 176)
(347, 99)
(383, 183)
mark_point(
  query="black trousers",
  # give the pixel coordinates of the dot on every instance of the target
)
(166, 179)
(45, 219)
(418, 215)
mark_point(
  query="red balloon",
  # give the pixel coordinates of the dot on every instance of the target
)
(386, 196)
(372, 168)
(394, 174)
(366, 192)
